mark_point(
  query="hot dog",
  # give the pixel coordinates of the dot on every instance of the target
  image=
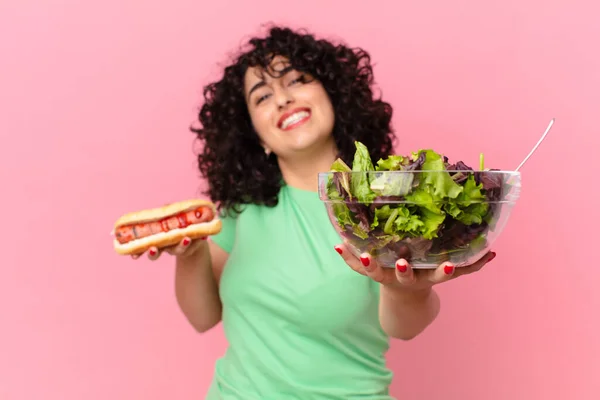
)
(136, 232)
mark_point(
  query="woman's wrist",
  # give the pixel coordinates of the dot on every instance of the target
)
(406, 294)
(194, 254)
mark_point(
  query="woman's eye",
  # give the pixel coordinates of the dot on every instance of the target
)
(261, 98)
(299, 79)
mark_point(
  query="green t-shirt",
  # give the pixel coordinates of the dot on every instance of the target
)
(299, 322)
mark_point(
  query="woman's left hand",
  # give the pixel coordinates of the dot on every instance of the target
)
(403, 276)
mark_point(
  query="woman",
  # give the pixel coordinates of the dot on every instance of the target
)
(304, 318)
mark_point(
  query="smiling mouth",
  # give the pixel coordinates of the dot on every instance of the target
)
(294, 119)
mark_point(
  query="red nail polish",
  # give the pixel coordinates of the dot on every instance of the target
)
(448, 269)
(152, 252)
(365, 260)
(401, 267)
(205, 238)
(492, 256)
(338, 249)
(186, 241)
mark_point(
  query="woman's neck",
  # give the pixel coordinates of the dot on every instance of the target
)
(302, 172)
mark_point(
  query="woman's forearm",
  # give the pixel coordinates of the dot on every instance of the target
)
(404, 313)
(196, 289)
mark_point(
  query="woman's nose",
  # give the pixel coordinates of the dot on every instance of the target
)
(283, 97)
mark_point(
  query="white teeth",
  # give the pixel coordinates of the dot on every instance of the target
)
(294, 118)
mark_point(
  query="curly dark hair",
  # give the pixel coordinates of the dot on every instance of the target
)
(232, 158)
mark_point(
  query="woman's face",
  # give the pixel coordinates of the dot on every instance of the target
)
(291, 112)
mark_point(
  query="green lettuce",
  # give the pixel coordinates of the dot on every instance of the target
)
(419, 205)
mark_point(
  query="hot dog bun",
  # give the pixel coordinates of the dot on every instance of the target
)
(136, 232)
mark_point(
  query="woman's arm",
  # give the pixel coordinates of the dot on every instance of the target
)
(405, 313)
(408, 303)
(197, 277)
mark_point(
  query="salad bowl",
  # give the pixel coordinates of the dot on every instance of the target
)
(420, 207)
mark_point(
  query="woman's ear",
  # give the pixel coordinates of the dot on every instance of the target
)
(265, 147)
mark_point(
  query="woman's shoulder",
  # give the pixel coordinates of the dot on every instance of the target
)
(231, 216)
(244, 218)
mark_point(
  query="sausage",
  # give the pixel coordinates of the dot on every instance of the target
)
(127, 233)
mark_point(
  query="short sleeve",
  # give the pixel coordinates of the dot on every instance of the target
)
(226, 238)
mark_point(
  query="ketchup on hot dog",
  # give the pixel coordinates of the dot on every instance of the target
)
(131, 232)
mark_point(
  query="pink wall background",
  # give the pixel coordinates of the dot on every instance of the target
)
(95, 101)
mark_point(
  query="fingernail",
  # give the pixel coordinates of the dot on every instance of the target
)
(152, 252)
(338, 249)
(186, 241)
(492, 256)
(448, 269)
(401, 266)
(365, 260)
(205, 238)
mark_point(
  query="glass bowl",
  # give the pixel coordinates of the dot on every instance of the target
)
(425, 217)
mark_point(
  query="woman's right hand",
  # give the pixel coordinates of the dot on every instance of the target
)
(185, 248)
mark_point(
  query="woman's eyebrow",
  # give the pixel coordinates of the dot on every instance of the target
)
(255, 87)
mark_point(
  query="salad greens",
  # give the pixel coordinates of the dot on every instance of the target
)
(440, 207)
